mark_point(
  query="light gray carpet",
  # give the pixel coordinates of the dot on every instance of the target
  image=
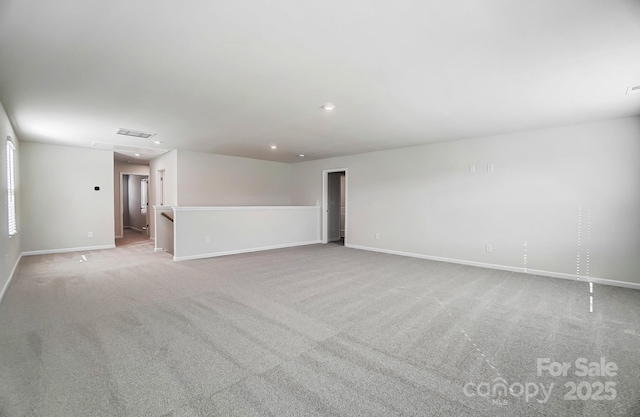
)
(132, 237)
(309, 331)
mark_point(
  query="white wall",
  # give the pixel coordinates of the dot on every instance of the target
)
(425, 201)
(218, 180)
(9, 246)
(202, 232)
(120, 168)
(163, 228)
(59, 204)
(169, 163)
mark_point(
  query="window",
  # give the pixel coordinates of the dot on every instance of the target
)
(11, 188)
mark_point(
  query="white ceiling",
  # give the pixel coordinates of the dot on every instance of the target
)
(233, 77)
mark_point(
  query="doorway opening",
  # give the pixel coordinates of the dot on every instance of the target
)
(334, 206)
(134, 208)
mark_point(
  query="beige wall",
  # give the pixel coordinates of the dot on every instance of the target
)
(59, 204)
(425, 201)
(9, 246)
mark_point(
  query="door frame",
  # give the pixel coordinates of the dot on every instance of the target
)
(160, 190)
(325, 203)
(122, 174)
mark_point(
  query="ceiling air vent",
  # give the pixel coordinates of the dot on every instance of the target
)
(134, 133)
(633, 90)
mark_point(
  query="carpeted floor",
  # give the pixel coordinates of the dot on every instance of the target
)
(309, 331)
(132, 237)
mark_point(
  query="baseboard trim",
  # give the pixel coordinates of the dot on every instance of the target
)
(529, 271)
(64, 250)
(158, 250)
(236, 252)
(11, 275)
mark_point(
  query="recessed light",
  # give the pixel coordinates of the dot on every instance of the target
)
(301, 155)
(274, 147)
(157, 142)
(328, 107)
(136, 154)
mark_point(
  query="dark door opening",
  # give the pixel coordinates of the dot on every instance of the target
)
(336, 207)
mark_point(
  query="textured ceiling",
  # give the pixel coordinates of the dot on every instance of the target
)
(234, 77)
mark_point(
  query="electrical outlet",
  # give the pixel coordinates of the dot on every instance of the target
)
(472, 168)
(377, 236)
(489, 248)
(207, 239)
(90, 234)
(490, 168)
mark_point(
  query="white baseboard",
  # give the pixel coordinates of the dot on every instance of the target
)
(119, 237)
(236, 252)
(11, 275)
(64, 250)
(158, 250)
(529, 271)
